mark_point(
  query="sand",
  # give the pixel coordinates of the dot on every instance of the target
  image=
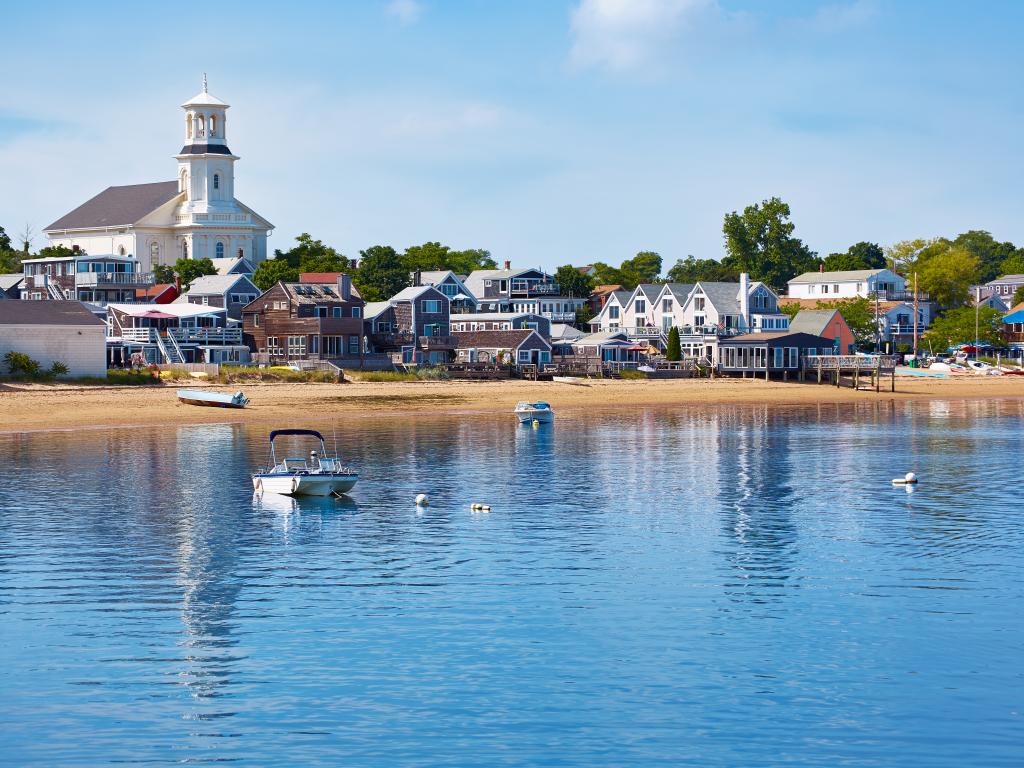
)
(29, 407)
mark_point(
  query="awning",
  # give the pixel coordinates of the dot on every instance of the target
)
(154, 314)
(1015, 317)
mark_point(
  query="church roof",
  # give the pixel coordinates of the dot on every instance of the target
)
(118, 206)
(204, 100)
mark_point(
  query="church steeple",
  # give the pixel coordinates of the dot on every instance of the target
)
(205, 164)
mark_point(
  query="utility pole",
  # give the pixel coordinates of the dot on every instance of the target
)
(915, 318)
(977, 311)
(878, 329)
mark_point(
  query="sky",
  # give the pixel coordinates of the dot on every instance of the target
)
(546, 131)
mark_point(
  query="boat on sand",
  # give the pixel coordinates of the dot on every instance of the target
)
(212, 399)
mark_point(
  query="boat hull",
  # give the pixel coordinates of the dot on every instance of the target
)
(209, 403)
(528, 417)
(323, 484)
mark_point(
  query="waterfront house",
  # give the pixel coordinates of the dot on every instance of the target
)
(1013, 327)
(600, 295)
(230, 292)
(606, 349)
(985, 296)
(610, 318)
(884, 283)
(95, 279)
(1005, 287)
(413, 326)
(501, 321)
(453, 286)
(176, 333)
(525, 290)
(511, 347)
(10, 286)
(307, 321)
(766, 354)
(895, 318)
(54, 331)
(829, 323)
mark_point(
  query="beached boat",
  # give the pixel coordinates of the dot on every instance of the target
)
(528, 413)
(212, 399)
(319, 475)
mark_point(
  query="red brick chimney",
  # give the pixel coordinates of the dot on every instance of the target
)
(508, 265)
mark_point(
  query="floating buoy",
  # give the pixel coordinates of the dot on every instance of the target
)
(422, 500)
(480, 507)
(908, 479)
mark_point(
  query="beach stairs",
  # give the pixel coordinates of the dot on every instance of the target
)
(172, 353)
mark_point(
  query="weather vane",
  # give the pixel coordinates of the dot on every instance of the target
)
(204, 83)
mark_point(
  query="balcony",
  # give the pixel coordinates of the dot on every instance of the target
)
(900, 329)
(437, 343)
(644, 332)
(392, 340)
(215, 336)
(520, 290)
(560, 317)
(117, 279)
(884, 295)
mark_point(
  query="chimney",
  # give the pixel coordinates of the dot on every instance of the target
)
(417, 278)
(344, 286)
(74, 249)
(177, 283)
(821, 268)
(508, 265)
(745, 300)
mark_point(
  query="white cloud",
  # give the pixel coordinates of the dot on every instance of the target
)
(405, 11)
(624, 35)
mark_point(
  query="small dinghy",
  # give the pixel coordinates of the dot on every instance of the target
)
(212, 399)
(530, 413)
(319, 475)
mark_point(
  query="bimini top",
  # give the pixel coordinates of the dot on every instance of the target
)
(310, 432)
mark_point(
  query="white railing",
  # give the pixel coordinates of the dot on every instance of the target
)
(646, 332)
(206, 335)
(86, 279)
(174, 345)
(138, 335)
(559, 317)
(202, 218)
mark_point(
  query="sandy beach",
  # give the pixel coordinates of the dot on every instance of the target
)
(26, 407)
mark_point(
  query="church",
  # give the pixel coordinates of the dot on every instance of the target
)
(195, 216)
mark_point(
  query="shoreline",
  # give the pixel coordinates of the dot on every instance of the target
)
(62, 407)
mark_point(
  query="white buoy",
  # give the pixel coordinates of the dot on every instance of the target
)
(477, 507)
(422, 500)
(908, 479)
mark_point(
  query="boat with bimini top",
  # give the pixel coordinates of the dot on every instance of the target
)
(319, 475)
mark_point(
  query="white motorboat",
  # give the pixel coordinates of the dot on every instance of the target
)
(534, 413)
(319, 475)
(212, 399)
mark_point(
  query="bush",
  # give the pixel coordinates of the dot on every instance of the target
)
(21, 366)
(673, 349)
(627, 373)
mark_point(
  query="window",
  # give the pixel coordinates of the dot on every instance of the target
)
(219, 248)
(524, 355)
(154, 253)
(794, 356)
(835, 288)
(613, 312)
(357, 311)
(812, 289)
(503, 286)
(824, 289)
(184, 249)
(200, 126)
(430, 306)
(319, 311)
(296, 346)
(639, 307)
(448, 289)
(216, 181)
(698, 304)
(353, 345)
(314, 345)
(779, 355)
(188, 125)
(666, 305)
(256, 321)
(336, 311)
(272, 346)
(213, 132)
(332, 346)
(698, 320)
(241, 298)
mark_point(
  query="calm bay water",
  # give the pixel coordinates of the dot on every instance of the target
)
(717, 586)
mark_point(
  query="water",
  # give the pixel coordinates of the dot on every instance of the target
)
(718, 586)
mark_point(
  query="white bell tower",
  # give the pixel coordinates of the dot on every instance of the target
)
(206, 167)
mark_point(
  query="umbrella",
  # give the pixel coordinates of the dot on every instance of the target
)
(157, 315)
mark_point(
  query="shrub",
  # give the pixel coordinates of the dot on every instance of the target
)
(21, 365)
(627, 373)
(382, 376)
(673, 349)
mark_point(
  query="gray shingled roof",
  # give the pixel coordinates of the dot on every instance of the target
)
(317, 293)
(814, 321)
(650, 290)
(118, 206)
(374, 308)
(46, 313)
(494, 339)
(410, 293)
(724, 297)
(475, 282)
(680, 290)
(9, 281)
(215, 285)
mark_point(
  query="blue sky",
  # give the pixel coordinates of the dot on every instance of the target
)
(547, 131)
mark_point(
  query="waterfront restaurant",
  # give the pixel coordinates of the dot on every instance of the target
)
(764, 354)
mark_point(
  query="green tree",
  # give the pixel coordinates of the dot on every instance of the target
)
(859, 314)
(5, 241)
(269, 272)
(673, 349)
(645, 267)
(189, 269)
(426, 258)
(606, 274)
(464, 262)
(901, 257)
(10, 259)
(991, 253)
(381, 273)
(572, 282)
(163, 273)
(862, 255)
(948, 275)
(55, 252)
(312, 253)
(1018, 296)
(1012, 265)
(693, 270)
(957, 327)
(760, 241)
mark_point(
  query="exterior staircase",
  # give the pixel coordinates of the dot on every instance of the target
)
(170, 354)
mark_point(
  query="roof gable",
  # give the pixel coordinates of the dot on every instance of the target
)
(118, 206)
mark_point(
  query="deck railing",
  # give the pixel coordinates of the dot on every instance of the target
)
(850, 362)
(206, 335)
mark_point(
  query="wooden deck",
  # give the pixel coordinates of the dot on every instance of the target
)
(854, 368)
